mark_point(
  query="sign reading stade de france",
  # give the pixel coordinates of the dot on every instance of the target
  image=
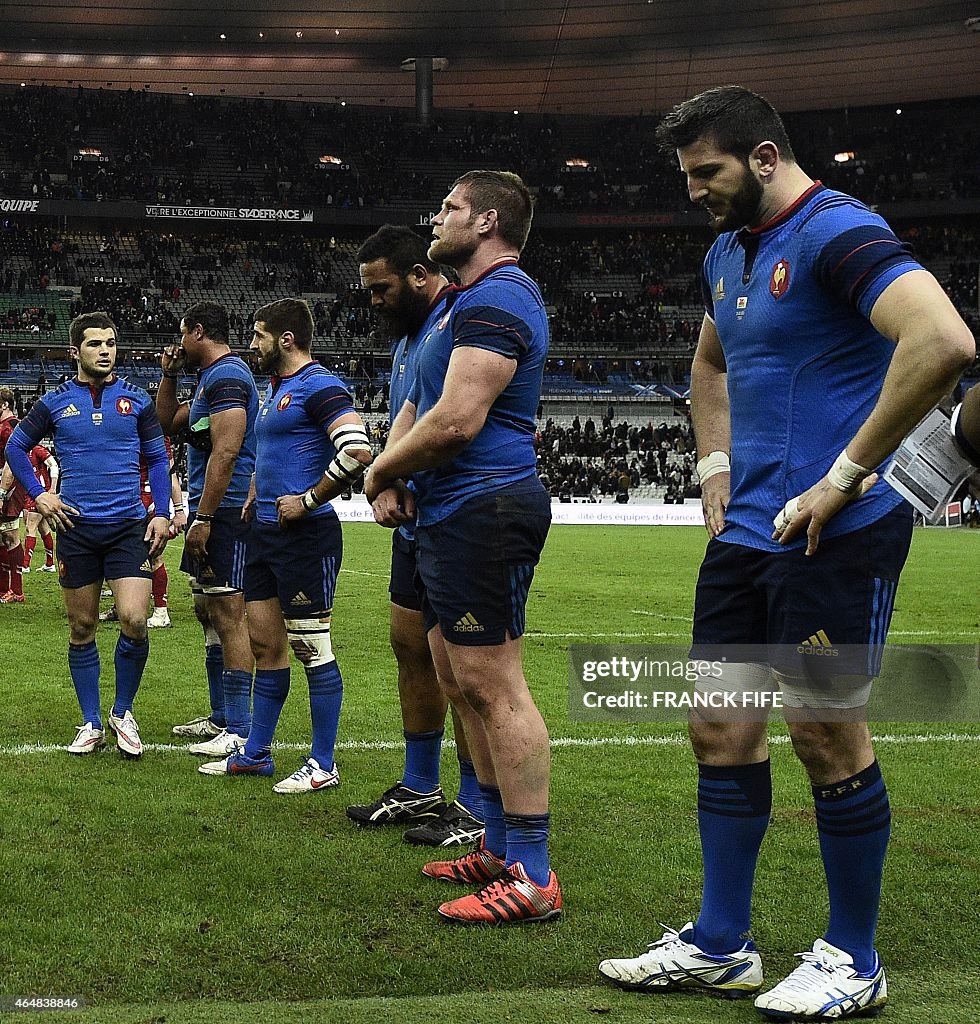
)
(231, 213)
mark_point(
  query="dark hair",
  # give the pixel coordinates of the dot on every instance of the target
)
(288, 315)
(86, 321)
(506, 193)
(400, 247)
(734, 118)
(7, 397)
(212, 316)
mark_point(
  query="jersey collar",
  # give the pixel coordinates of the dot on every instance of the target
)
(111, 379)
(276, 381)
(504, 261)
(224, 355)
(784, 215)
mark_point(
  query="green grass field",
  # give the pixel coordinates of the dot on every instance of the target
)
(161, 895)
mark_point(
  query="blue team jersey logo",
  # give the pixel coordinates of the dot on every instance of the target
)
(124, 406)
(779, 279)
(283, 404)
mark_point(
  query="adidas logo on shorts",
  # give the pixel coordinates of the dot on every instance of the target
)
(818, 644)
(468, 624)
(300, 598)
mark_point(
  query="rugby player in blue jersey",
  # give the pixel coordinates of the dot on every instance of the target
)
(219, 424)
(100, 423)
(823, 343)
(407, 292)
(465, 436)
(310, 446)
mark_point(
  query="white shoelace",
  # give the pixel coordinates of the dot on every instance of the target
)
(817, 969)
(670, 937)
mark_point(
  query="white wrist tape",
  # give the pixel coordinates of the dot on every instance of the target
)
(311, 501)
(713, 464)
(845, 475)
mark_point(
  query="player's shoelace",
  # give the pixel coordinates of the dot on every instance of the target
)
(670, 937)
(816, 970)
(507, 885)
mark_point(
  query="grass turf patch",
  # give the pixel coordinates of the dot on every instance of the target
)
(148, 884)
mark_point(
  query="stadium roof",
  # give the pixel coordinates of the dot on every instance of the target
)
(571, 56)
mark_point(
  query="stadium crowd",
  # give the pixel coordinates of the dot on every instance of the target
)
(222, 151)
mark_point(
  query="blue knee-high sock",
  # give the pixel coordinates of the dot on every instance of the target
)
(854, 821)
(237, 688)
(469, 789)
(422, 752)
(130, 660)
(734, 807)
(83, 664)
(214, 665)
(326, 698)
(495, 837)
(527, 842)
(268, 696)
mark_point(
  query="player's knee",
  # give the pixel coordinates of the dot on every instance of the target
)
(81, 629)
(822, 746)
(309, 640)
(474, 689)
(726, 742)
(411, 651)
(133, 624)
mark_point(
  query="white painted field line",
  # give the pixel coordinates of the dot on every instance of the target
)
(660, 615)
(565, 742)
(892, 632)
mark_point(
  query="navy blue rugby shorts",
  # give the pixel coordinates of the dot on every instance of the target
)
(97, 550)
(477, 564)
(298, 564)
(842, 596)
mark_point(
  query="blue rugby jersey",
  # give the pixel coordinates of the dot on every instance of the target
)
(99, 433)
(404, 366)
(790, 301)
(502, 311)
(293, 448)
(226, 384)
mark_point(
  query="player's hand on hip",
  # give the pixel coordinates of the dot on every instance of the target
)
(157, 533)
(813, 509)
(715, 493)
(394, 506)
(196, 541)
(55, 512)
(290, 508)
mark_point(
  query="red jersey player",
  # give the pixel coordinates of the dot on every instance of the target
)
(12, 497)
(46, 470)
